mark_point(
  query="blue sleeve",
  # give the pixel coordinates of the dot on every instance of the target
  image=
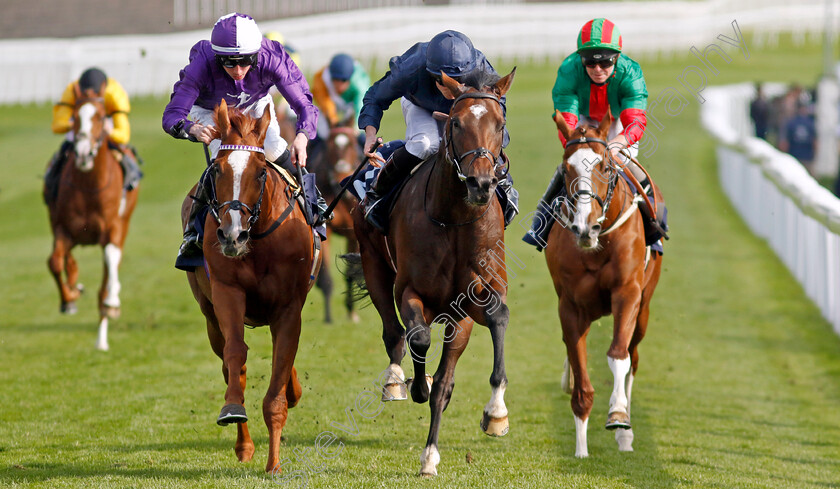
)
(400, 80)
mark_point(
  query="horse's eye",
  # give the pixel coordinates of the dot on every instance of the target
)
(456, 124)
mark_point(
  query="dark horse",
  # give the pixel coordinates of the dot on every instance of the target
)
(91, 208)
(340, 157)
(259, 256)
(600, 265)
(443, 259)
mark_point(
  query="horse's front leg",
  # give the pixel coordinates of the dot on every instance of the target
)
(285, 334)
(419, 340)
(229, 308)
(575, 328)
(325, 283)
(109, 292)
(495, 420)
(625, 309)
(59, 261)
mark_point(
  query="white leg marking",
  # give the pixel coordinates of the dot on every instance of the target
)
(397, 374)
(496, 408)
(624, 438)
(121, 212)
(429, 460)
(102, 339)
(113, 255)
(581, 451)
(618, 399)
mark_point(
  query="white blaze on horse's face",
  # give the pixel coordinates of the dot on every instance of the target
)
(238, 161)
(583, 161)
(85, 152)
(478, 110)
(342, 140)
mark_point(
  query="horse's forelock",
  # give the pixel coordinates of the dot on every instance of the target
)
(241, 123)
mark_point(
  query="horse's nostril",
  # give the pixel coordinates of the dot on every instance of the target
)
(494, 181)
(243, 237)
(472, 181)
(221, 236)
(576, 229)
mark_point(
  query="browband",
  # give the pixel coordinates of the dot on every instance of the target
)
(241, 147)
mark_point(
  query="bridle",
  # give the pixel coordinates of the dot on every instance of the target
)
(456, 160)
(481, 152)
(95, 143)
(611, 183)
(235, 205)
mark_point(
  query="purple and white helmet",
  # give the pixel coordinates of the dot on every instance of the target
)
(235, 35)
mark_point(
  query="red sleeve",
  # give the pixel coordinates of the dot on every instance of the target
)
(571, 121)
(634, 122)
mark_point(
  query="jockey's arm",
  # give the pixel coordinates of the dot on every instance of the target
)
(63, 111)
(117, 107)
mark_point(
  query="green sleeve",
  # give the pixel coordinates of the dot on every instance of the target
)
(359, 84)
(632, 91)
(565, 90)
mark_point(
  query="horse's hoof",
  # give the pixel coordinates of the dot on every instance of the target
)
(354, 317)
(495, 426)
(111, 312)
(618, 419)
(232, 413)
(394, 392)
(80, 288)
(417, 395)
(102, 346)
(69, 308)
(624, 438)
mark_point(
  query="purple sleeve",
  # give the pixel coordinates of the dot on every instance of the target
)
(185, 92)
(293, 87)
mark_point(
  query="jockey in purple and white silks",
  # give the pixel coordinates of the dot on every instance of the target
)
(238, 65)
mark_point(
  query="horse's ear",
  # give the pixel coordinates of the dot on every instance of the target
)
(222, 119)
(261, 127)
(560, 122)
(449, 87)
(606, 122)
(502, 86)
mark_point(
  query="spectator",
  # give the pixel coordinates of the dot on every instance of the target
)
(760, 113)
(799, 137)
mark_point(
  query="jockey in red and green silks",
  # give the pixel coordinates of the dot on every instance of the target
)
(593, 79)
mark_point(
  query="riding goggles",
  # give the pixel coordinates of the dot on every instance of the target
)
(238, 60)
(603, 63)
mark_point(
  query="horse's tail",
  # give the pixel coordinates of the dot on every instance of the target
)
(350, 265)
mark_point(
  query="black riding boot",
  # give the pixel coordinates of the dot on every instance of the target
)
(53, 173)
(543, 220)
(191, 246)
(398, 166)
(130, 164)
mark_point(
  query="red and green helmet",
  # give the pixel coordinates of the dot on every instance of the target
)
(599, 34)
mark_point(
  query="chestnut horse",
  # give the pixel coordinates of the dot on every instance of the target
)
(340, 158)
(600, 265)
(258, 251)
(443, 260)
(91, 208)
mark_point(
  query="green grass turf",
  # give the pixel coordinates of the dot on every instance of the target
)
(738, 385)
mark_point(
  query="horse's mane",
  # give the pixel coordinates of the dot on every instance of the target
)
(484, 81)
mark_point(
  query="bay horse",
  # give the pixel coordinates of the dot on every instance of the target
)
(600, 265)
(259, 256)
(338, 161)
(443, 259)
(91, 208)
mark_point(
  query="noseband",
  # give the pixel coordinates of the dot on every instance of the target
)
(480, 152)
(613, 177)
(235, 205)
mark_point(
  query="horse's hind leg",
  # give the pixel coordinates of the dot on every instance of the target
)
(349, 303)
(285, 335)
(457, 337)
(58, 264)
(419, 337)
(495, 420)
(325, 283)
(380, 283)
